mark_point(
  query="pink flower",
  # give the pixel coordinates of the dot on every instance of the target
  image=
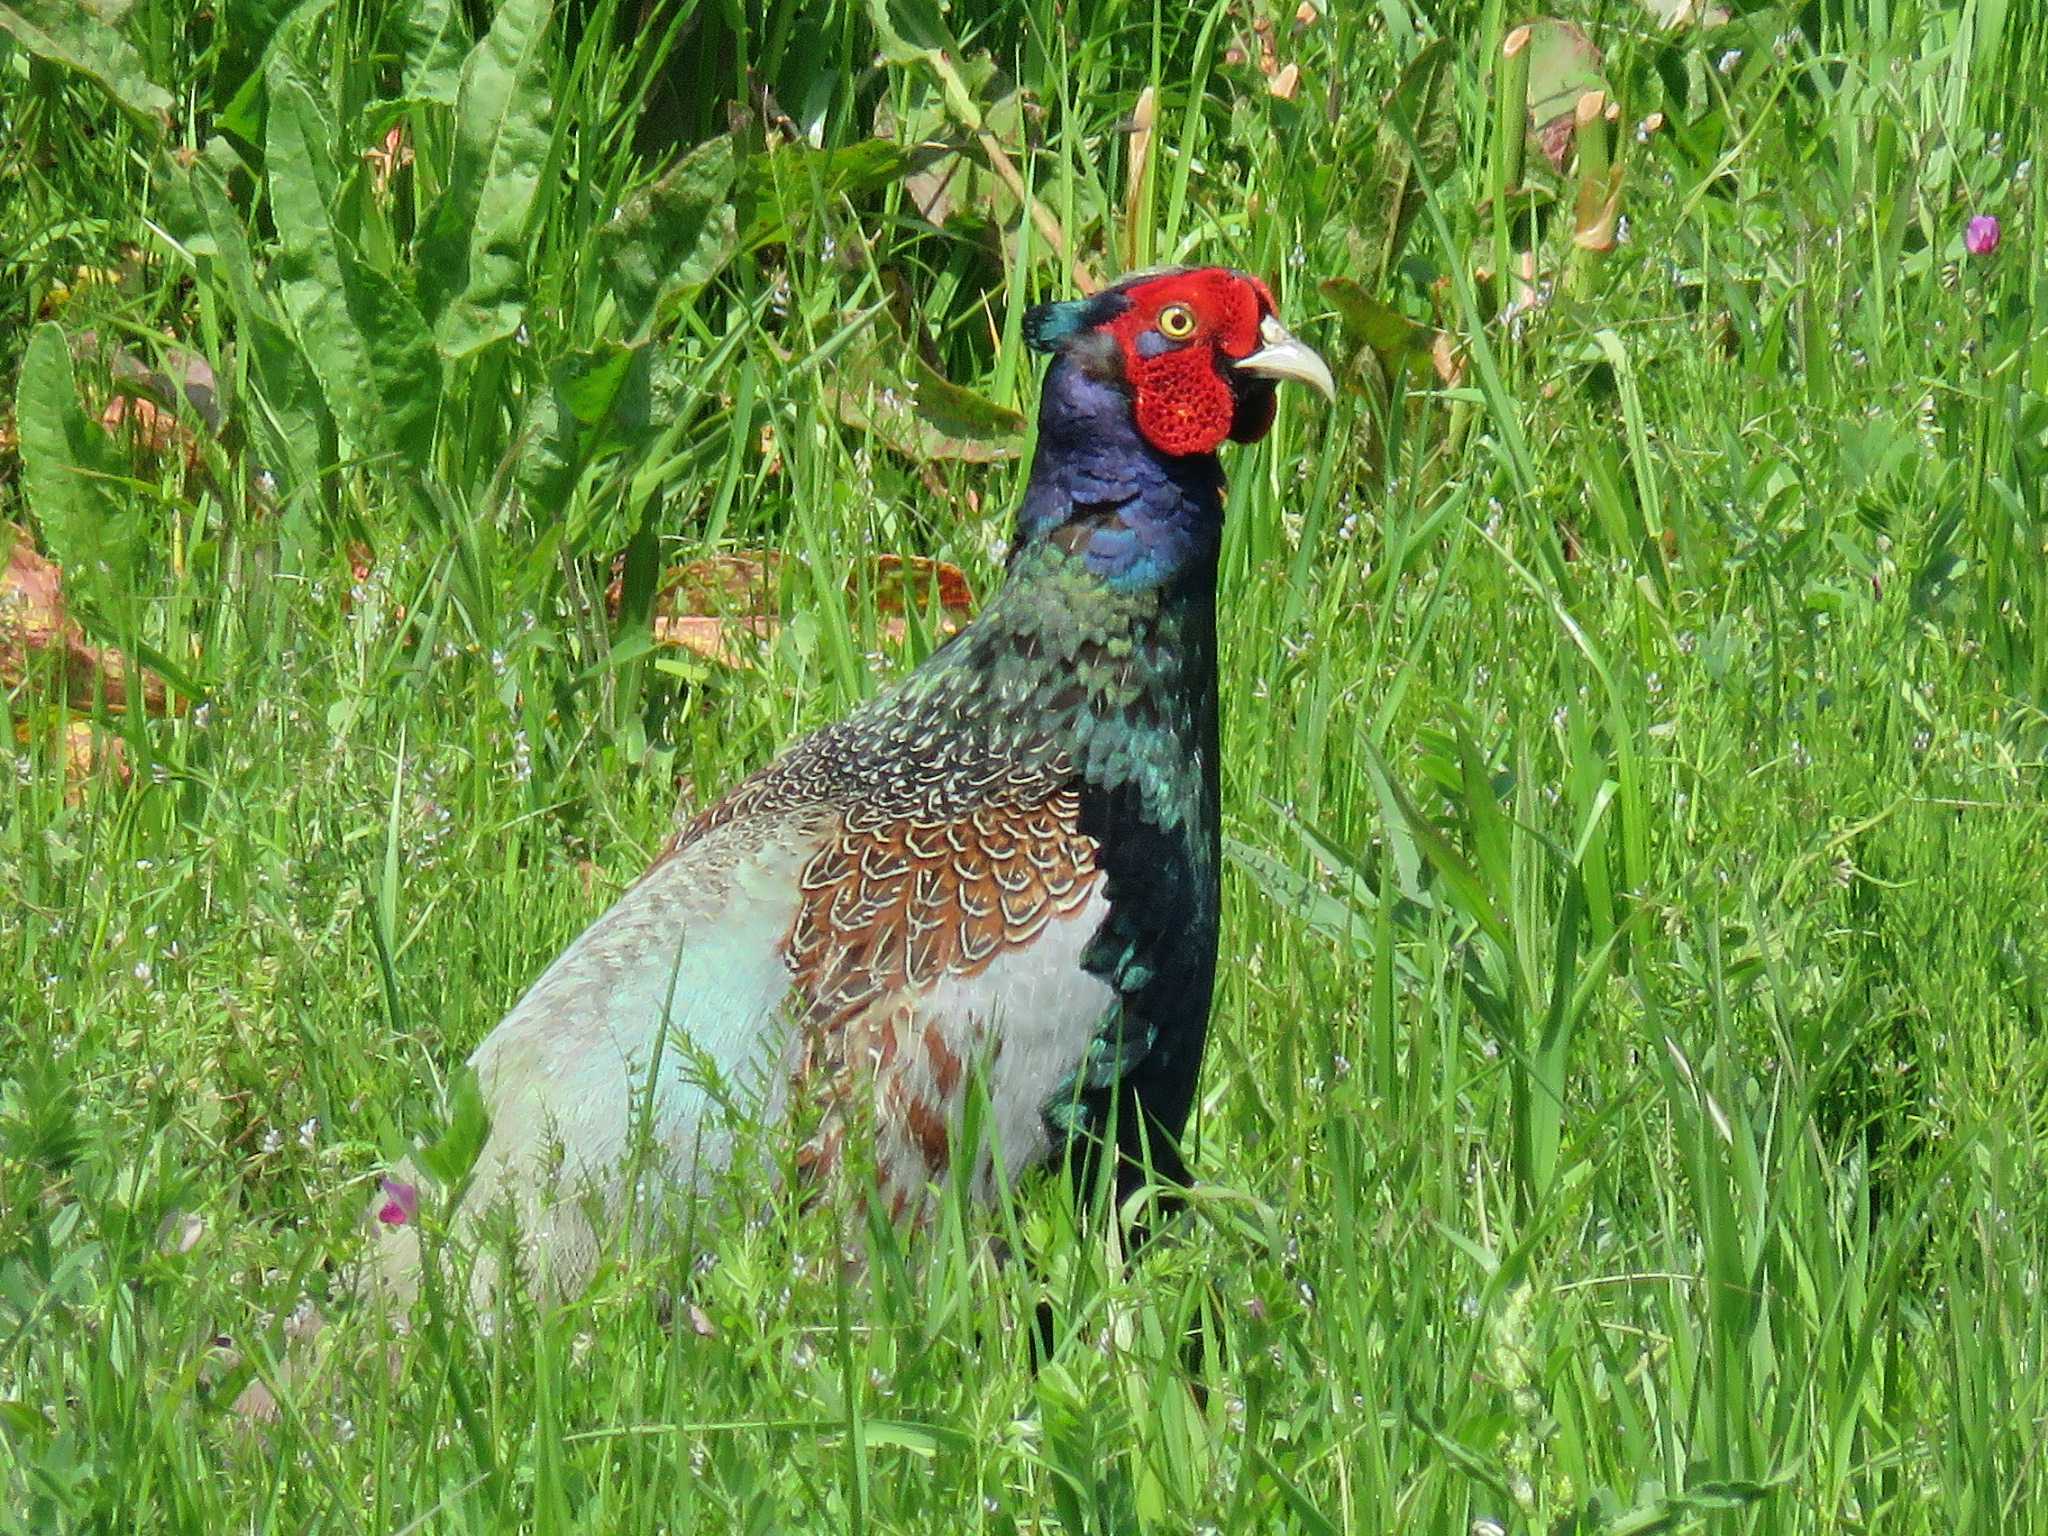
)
(401, 1204)
(1981, 238)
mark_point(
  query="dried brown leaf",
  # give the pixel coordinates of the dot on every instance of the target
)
(726, 607)
(33, 620)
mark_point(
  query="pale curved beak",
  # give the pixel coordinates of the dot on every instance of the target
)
(1283, 356)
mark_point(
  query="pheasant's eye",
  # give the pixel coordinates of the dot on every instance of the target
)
(1176, 322)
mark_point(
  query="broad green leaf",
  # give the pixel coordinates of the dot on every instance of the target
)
(915, 32)
(673, 236)
(1402, 345)
(598, 402)
(364, 338)
(1674, 14)
(887, 389)
(949, 177)
(70, 36)
(72, 471)
(449, 1158)
(777, 190)
(1563, 66)
(435, 45)
(282, 408)
(473, 253)
(284, 31)
(1422, 103)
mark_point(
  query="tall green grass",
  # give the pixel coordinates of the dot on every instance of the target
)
(1624, 1110)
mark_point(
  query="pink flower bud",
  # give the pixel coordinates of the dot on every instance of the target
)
(401, 1203)
(1981, 238)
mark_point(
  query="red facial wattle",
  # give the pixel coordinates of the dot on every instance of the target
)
(1182, 402)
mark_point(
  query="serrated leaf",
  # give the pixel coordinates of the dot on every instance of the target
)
(283, 410)
(947, 176)
(673, 236)
(1421, 103)
(1400, 344)
(364, 338)
(436, 42)
(72, 37)
(598, 402)
(1563, 66)
(915, 410)
(70, 469)
(778, 189)
(473, 253)
(1673, 14)
(1298, 895)
(914, 32)
(449, 1158)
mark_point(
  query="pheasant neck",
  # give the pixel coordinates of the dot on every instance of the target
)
(1100, 649)
(1118, 679)
(1140, 518)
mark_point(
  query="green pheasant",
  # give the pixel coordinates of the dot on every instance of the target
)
(1005, 864)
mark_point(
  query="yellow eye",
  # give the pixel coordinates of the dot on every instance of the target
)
(1176, 322)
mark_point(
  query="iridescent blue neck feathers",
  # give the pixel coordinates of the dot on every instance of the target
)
(1139, 517)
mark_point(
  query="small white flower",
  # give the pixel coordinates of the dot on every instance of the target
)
(1727, 62)
(309, 1133)
(272, 1142)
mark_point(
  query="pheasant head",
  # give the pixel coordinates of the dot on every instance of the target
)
(1197, 351)
(1149, 378)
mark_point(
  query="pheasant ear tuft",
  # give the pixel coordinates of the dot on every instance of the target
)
(1047, 325)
